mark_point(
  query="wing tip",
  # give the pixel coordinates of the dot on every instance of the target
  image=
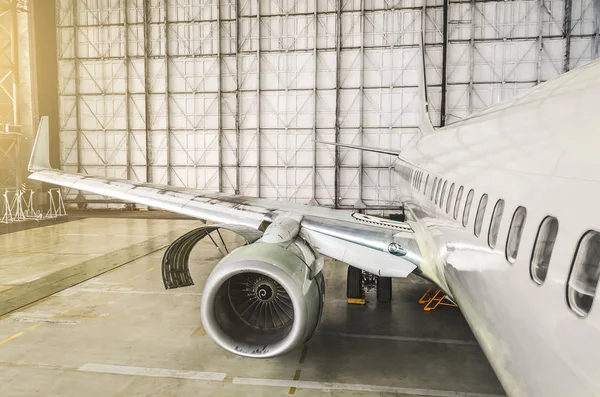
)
(425, 124)
(40, 155)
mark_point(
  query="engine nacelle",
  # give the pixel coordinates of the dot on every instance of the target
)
(262, 300)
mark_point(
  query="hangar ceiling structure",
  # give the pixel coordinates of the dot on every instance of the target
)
(230, 95)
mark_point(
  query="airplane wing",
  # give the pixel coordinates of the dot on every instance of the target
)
(389, 246)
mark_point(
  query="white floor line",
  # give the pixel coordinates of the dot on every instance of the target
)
(300, 384)
(327, 386)
(152, 372)
(133, 292)
(399, 338)
(41, 317)
(98, 282)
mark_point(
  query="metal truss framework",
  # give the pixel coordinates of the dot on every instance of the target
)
(9, 93)
(231, 95)
(9, 67)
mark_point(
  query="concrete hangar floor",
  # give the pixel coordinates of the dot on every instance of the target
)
(103, 332)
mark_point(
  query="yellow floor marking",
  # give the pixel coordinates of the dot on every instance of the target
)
(114, 288)
(68, 310)
(11, 338)
(296, 377)
(356, 301)
(88, 317)
(35, 326)
(134, 277)
(199, 332)
(303, 354)
(152, 268)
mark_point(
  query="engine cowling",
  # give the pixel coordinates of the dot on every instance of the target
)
(263, 300)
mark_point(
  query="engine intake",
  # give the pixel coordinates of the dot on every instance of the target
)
(262, 301)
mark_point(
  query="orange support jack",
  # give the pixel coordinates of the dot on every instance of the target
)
(433, 298)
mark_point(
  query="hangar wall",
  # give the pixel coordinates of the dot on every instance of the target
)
(229, 96)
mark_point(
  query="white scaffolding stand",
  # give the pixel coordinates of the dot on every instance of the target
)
(29, 205)
(57, 207)
(17, 206)
(6, 207)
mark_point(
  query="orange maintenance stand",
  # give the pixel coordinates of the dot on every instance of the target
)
(433, 298)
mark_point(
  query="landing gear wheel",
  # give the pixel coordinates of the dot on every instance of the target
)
(354, 285)
(384, 289)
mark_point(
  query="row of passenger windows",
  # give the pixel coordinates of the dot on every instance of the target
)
(585, 269)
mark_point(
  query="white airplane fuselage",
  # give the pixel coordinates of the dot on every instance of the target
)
(540, 151)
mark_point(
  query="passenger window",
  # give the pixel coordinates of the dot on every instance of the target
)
(585, 272)
(495, 224)
(450, 193)
(467, 210)
(438, 191)
(443, 193)
(480, 213)
(514, 234)
(433, 188)
(457, 202)
(542, 250)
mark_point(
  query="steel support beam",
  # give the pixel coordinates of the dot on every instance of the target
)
(596, 39)
(258, 71)
(147, 83)
(219, 98)
(238, 68)
(540, 41)
(127, 89)
(361, 93)
(77, 78)
(167, 91)
(338, 62)
(567, 34)
(471, 92)
(444, 63)
(14, 45)
(313, 200)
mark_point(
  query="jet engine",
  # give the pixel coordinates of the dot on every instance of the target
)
(264, 299)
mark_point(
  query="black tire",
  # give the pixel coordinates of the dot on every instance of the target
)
(354, 287)
(384, 289)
